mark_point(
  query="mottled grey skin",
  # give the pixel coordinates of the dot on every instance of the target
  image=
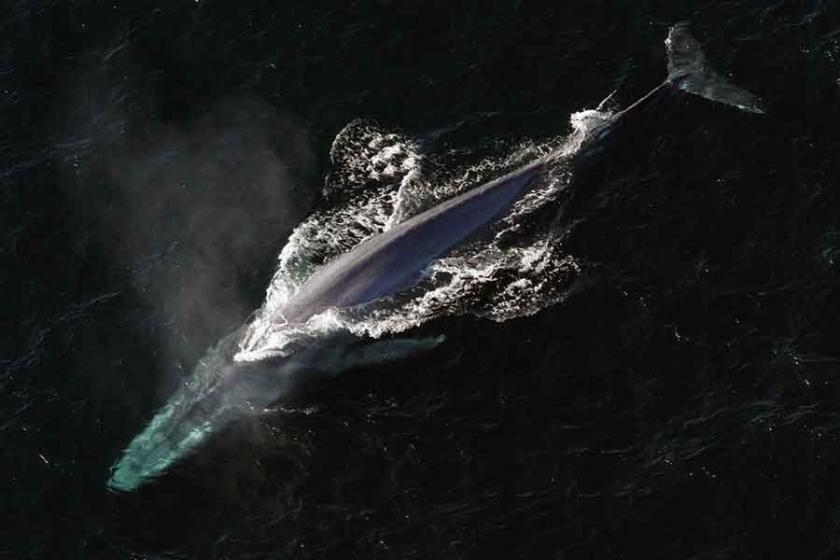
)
(394, 260)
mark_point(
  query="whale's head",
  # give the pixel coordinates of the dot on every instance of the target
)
(218, 392)
(222, 390)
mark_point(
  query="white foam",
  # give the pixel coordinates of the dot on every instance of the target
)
(511, 275)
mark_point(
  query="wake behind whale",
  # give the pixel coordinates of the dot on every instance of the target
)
(407, 243)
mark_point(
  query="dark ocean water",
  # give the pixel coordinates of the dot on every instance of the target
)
(683, 400)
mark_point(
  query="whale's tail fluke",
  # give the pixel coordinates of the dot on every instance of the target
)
(689, 71)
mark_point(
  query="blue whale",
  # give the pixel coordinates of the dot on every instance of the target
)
(221, 389)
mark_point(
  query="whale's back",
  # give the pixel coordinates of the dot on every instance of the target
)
(394, 260)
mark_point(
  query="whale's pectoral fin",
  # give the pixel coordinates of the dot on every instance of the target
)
(387, 351)
(689, 71)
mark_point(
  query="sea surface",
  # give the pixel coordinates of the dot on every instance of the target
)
(642, 362)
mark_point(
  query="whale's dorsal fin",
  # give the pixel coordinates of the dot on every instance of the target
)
(689, 70)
